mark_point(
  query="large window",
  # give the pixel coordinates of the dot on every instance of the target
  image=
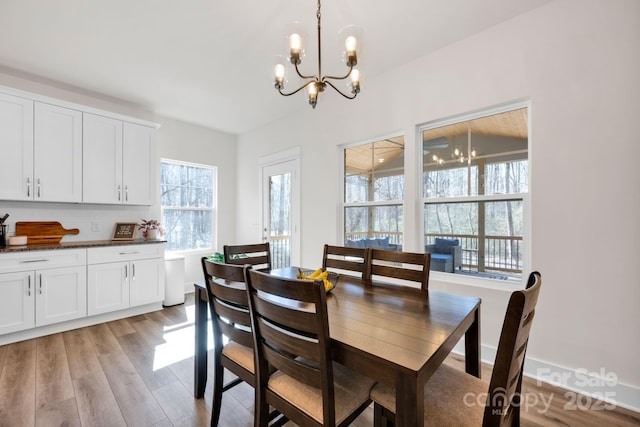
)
(187, 198)
(374, 193)
(475, 178)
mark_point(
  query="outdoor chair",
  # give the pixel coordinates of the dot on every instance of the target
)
(446, 390)
(291, 333)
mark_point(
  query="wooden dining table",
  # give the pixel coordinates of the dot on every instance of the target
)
(394, 334)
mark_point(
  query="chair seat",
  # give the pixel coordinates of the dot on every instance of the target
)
(452, 398)
(240, 354)
(351, 391)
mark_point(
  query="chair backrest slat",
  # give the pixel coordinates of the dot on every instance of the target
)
(393, 264)
(503, 401)
(258, 255)
(344, 258)
(228, 302)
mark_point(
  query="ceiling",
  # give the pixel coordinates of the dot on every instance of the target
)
(211, 62)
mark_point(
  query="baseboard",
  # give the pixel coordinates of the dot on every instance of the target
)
(77, 323)
(598, 390)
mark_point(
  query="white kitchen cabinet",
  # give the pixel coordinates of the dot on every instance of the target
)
(16, 135)
(57, 154)
(41, 151)
(17, 302)
(119, 161)
(107, 287)
(39, 288)
(120, 277)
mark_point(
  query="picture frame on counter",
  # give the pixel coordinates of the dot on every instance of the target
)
(124, 231)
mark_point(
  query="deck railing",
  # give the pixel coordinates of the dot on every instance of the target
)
(495, 253)
(280, 251)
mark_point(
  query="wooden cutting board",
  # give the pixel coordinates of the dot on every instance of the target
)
(43, 231)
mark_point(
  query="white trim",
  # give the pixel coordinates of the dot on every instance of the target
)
(624, 395)
(77, 323)
(280, 156)
(74, 106)
(475, 114)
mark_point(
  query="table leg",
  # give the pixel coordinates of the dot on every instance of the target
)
(472, 347)
(201, 339)
(409, 402)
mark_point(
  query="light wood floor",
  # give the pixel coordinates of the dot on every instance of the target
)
(139, 372)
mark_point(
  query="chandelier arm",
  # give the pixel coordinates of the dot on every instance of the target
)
(302, 76)
(297, 90)
(336, 77)
(339, 91)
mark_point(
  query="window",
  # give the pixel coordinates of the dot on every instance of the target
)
(374, 193)
(475, 178)
(187, 198)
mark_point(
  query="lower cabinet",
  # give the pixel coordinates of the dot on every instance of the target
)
(123, 277)
(41, 288)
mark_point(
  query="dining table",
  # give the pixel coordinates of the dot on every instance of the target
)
(396, 335)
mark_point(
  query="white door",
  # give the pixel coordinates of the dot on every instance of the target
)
(101, 160)
(57, 154)
(17, 301)
(146, 281)
(138, 164)
(281, 212)
(107, 287)
(61, 294)
(16, 140)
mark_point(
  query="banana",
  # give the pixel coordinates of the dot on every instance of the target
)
(315, 274)
(327, 285)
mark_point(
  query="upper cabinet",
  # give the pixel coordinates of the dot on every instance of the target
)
(42, 151)
(119, 161)
(16, 140)
(56, 151)
(57, 156)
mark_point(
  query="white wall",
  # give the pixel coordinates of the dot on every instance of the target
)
(578, 61)
(175, 140)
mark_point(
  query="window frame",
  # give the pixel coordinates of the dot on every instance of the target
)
(213, 209)
(373, 203)
(524, 197)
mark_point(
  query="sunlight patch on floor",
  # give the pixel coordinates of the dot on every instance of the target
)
(179, 341)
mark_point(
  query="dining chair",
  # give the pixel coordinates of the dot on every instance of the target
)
(258, 255)
(344, 258)
(455, 398)
(230, 318)
(291, 333)
(407, 266)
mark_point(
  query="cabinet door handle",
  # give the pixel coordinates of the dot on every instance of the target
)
(29, 286)
(28, 187)
(133, 272)
(119, 192)
(33, 260)
(40, 289)
(38, 187)
(126, 273)
(130, 253)
(126, 193)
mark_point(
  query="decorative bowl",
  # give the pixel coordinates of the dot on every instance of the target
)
(330, 281)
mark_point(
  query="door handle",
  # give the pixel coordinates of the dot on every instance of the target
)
(40, 288)
(29, 286)
(126, 273)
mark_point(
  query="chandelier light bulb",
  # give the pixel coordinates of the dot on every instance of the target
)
(355, 81)
(279, 71)
(456, 151)
(295, 48)
(435, 158)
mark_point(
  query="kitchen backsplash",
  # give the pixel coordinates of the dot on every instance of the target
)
(96, 222)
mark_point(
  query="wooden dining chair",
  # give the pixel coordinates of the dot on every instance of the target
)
(229, 318)
(452, 396)
(344, 258)
(258, 255)
(291, 333)
(406, 266)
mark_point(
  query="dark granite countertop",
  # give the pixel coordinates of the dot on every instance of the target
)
(77, 245)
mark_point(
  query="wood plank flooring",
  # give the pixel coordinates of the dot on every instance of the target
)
(139, 372)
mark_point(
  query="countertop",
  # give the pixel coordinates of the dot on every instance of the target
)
(77, 245)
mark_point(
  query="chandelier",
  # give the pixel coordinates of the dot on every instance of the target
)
(314, 84)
